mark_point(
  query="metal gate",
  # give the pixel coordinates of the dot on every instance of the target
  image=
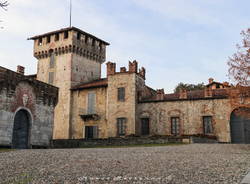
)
(240, 126)
(20, 138)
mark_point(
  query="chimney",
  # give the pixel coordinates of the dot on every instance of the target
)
(133, 66)
(20, 69)
(225, 84)
(208, 92)
(183, 94)
(111, 68)
(210, 80)
(123, 70)
(142, 72)
(160, 94)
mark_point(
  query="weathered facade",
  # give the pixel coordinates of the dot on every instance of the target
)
(122, 104)
(26, 110)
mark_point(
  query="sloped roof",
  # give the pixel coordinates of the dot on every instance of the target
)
(94, 84)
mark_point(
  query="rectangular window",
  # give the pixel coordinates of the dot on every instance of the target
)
(66, 34)
(57, 37)
(51, 77)
(175, 125)
(91, 103)
(40, 41)
(48, 39)
(52, 60)
(121, 126)
(121, 94)
(78, 36)
(207, 125)
(145, 126)
(91, 132)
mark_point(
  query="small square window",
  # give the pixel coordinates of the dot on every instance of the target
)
(40, 41)
(66, 34)
(48, 39)
(57, 37)
(121, 94)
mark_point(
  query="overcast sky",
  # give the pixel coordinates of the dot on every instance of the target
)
(175, 40)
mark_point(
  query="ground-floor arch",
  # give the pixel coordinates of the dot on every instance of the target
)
(240, 125)
(21, 130)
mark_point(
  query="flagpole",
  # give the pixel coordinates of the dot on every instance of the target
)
(70, 14)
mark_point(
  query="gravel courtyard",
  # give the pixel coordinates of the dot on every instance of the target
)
(195, 163)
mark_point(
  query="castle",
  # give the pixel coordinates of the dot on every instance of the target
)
(121, 104)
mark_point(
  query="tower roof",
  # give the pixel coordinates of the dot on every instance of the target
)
(68, 29)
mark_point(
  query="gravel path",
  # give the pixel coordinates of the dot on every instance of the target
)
(195, 163)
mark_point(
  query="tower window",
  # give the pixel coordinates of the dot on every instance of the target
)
(78, 36)
(40, 41)
(86, 39)
(52, 60)
(121, 94)
(121, 126)
(66, 34)
(57, 37)
(48, 39)
(51, 77)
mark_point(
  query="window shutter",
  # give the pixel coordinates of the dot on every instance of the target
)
(91, 103)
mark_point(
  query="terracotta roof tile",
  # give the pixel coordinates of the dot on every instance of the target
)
(94, 84)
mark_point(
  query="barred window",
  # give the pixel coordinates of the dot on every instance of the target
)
(121, 126)
(207, 125)
(175, 125)
(121, 94)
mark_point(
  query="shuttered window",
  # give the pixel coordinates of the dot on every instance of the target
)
(51, 77)
(207, 125)
(91, 103)
(175, 125)
(121, 94)
(121, 126)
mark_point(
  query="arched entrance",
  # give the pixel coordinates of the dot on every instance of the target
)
(20, 137)
(240, 126)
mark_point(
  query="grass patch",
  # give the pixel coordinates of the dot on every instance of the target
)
(135, 145)
(5, 150)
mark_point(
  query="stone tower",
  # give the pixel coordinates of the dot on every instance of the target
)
(67, 57)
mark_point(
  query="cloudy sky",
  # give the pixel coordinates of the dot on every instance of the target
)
(176, 40)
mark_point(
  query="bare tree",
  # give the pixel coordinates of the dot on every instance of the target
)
(239, 71)
(4, 4)
(239, 63)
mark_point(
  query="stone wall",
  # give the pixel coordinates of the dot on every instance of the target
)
(79, 107)
(191, 114)
(19, 92)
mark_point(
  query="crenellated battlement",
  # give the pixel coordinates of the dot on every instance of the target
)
(70, 40)
(132, 68)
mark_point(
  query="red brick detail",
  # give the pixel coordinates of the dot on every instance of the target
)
(111, 68)
(133, 66)
(20, 69)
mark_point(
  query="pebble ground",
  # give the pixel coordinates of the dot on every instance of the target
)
(194, 163)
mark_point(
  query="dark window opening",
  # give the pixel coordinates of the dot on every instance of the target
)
(175, 125)
(78, 36)
(66, 34)
(207, 125)
(48, 39)
(121, 94)
(40, 41)
(86, 39)
(93, 42)
(121, 126)
(145, 126)
(57, 37)
(91, 132)
(217, 86)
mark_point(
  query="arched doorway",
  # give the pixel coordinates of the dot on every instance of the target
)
(240, 126)
(20, 136)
